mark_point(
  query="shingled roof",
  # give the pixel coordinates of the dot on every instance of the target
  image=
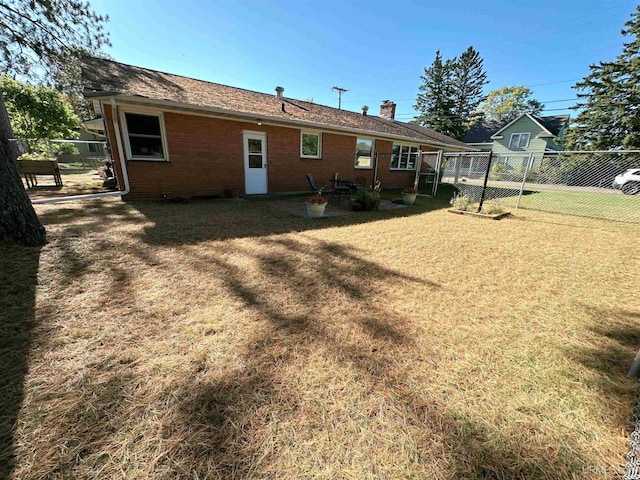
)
(483, 130)
(106, 78)
(554, 123)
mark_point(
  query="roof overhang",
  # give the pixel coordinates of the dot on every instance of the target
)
(265, 119)
(97, 124)
(496, 136)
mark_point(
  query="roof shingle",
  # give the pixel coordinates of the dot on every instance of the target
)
(108, 78)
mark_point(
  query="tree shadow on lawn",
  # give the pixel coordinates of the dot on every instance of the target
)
(228, 423)
(235, 424)
(18, 280)
(609, 354)
(206, 220)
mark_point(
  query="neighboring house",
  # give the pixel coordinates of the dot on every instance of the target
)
(187, 137)
(527, 133)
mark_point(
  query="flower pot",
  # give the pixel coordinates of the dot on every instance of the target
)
(409, 198)
(315, 210)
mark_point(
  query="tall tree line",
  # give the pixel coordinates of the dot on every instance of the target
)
(609, 99)
(451, 92)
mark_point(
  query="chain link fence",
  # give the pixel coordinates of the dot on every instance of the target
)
(589, 184)
(65, 167)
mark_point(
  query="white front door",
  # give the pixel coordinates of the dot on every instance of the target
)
(255, 163)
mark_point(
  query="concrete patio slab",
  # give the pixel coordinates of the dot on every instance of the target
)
(296, 206)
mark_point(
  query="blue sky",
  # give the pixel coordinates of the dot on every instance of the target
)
(376, 50)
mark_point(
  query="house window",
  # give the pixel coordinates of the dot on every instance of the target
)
(145, 136)
(364, 153)
(310, 144)
(94, 148)
(519, 140)
(404, 157)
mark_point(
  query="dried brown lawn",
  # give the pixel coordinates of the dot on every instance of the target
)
(228, 339)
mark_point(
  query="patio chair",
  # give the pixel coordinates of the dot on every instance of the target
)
(341, 190)
(359, 183)
(315, 186)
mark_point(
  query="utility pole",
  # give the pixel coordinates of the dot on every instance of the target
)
(340, 92)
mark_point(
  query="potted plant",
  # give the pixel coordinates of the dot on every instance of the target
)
(365, 199)
(316, 205)
(409, 195)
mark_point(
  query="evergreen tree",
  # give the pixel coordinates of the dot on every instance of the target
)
(35, 36)
(469, 78)
(507, 103)
(610, 100)
(435, 98)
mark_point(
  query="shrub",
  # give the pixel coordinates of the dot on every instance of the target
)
(497, 171)
(492, 208)
(462, 202)
(365, 200)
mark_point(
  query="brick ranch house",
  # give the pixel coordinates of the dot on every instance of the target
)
(185, 137)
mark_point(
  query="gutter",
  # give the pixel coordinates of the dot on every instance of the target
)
(125, 175)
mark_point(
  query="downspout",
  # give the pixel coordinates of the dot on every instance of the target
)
(123, 166)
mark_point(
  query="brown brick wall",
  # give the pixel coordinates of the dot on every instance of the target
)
(391, 178)
(206, 158)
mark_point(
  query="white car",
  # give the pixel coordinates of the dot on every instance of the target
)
(628, 182)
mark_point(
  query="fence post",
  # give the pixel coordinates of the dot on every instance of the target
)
(375, 170)
(434, 191)
(486, 179)
(524, 178)
(456, 170)
(416, 180)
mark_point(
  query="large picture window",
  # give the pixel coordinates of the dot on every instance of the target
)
(144, 134)
(519, 140)
(364, 153)
(404, 157)
(310, 145)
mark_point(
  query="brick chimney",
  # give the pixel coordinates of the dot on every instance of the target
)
(388, 110)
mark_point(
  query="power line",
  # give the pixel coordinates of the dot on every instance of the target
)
(564, 24)
(528, 37)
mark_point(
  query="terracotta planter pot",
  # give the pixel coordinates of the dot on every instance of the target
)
(409, 198)
(315, 210)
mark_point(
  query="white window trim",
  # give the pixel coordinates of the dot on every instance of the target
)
(410, 145)
(311, 132)
(125, 133)
(373, 153)
(519, 135)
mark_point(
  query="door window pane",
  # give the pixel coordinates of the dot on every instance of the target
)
(255, 161)
(255, 145)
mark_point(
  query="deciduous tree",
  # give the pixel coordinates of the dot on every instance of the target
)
(38, 111)
(35, 36)
(507, 103)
